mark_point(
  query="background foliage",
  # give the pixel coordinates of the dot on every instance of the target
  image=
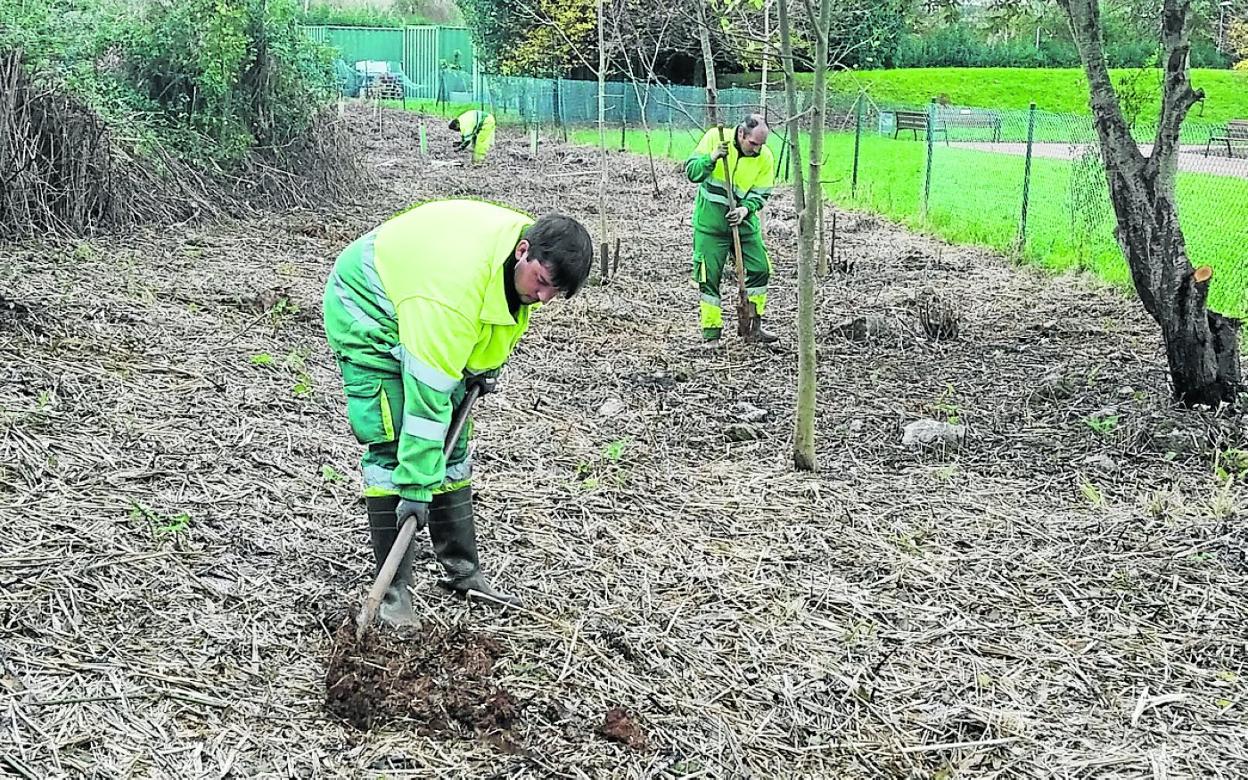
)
(960, 45)
(533, 37)
(207, 80)
(399, 15)
(1060, 90)
(548, 38)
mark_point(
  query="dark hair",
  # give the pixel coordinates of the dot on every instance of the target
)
(562, 245)
(752, 121)
(454, 125)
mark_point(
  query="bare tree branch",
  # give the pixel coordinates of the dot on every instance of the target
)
(1178, 97)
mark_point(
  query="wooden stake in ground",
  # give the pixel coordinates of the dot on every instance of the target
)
(602, 132)
(745, 309)
(708, 63)
(384, 577)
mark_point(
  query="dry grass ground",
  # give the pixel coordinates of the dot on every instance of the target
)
(180, 531)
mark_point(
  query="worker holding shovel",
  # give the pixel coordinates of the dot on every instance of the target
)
(418, 311)
(726, 226)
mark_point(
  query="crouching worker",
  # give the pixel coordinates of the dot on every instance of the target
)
(476, 132)
(416, 311)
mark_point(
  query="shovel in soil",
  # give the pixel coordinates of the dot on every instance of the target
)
(384, 577)
(745, 309)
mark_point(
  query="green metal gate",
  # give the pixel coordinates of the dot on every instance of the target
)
(435, 61)
(317, 33)
(420, 61)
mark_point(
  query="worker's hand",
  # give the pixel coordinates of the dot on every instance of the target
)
(720, 153)
(737, 216)
(417, 511)
(487, 382)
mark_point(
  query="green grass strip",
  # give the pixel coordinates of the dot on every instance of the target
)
(976, 198)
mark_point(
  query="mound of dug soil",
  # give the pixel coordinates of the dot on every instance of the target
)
(435, 681)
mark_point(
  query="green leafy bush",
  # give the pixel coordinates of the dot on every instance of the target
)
(209, 80)
(366, 16)
(961, 46)
(238, 72)
(163, 111)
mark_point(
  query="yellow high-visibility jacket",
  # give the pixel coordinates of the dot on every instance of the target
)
(752, 181)
(426, 289)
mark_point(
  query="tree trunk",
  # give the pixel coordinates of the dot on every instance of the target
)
(1202, 347)
(762, 84)
(790, 97)
(804, 419)
(819, 121)
(602, 138)
(558, 107)
(708, 62)
(643, 103)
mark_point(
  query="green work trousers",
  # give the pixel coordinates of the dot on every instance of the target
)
(485, 139)
(711, 251)
(375, 411)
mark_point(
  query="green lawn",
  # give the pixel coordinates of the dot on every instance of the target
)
(976, 198)
(1060, 90)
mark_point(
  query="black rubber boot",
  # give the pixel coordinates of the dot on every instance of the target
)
(453, 531)
(760, 335)
(396, 605)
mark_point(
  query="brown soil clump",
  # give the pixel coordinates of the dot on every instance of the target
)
(436, 681)
(619, 727)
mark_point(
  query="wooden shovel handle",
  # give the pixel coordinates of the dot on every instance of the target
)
(745, 311)
(386, 576)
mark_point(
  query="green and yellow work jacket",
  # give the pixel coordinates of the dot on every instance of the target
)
(470, 124)
(752, 181)
(425, 291)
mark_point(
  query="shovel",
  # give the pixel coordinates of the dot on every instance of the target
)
(386, 576)
(745, 309)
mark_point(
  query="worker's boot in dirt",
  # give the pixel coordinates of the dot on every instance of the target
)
(760, 335)
(453, 531)
(711, 338)
(396, 605)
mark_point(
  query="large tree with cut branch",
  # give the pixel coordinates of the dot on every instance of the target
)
(1201, 346)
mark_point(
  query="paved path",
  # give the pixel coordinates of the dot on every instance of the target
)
(1191, 158)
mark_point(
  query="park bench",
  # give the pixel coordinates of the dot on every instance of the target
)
(916, 121)
(970, 117)
(1235, 132)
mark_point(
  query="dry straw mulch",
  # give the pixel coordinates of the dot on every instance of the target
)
(180, 531)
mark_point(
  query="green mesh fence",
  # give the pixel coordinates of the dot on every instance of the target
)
(1047, 198)
(1030, 182)
(1027, 182)
(626, 104)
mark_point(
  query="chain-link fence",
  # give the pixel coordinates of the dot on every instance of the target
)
(1034, 182)
(1030, 182)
